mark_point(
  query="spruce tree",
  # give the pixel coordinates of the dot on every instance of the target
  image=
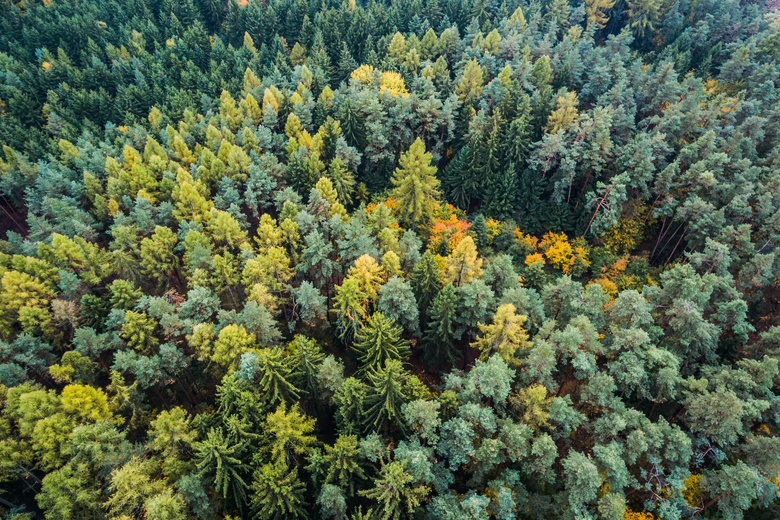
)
(443, 332)
(501, 200)
(456, 177)
(378, 341)
(219, 460)
(426, 282)
(278, 493)
(386, 395)
(352, 125)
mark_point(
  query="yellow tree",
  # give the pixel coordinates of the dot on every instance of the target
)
(272, 269)
(397, 48)
(564, 115)
(189, 197)
(368, 274)
(504, 336)
(596, 11)
(470, 85)
(463, 265)
(416, 185)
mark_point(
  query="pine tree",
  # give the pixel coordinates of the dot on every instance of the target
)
(398, 303)
(416, 186)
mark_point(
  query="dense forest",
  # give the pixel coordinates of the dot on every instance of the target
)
(397, 259)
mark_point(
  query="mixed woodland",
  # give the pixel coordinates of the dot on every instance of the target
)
(389, 259)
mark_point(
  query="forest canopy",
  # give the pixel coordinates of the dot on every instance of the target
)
(408, 259)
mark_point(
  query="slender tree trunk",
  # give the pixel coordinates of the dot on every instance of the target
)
(160, 396)
(671, 237)
(582, 191)
(677, 244)
(8, 504)
(660, 237)
(597, 210)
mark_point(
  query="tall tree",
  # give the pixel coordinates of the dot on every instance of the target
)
(386, 395)
(426, 282)
(416, 187)
(378, 341)
(443, 332)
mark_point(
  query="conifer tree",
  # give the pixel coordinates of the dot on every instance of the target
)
(426, 282)
(343, 181)
(463, 264)
(219, 461)
(352, 125)
(470, 85)
(443, 332)
(278, 493)
(416, 187)
(274, 376)
(504, 336)
(457, 182)
(396, 492)
(339, 464)
(398, 304)
(288, 435)
(386, 394)
(378, 341)
(501, 197)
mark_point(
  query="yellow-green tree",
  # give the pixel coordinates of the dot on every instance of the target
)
(470, 84)
(463, 264)
(504, 336)
(416, 185)
(368, 274)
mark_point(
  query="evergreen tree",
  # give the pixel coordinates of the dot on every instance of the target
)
(219, 460)
(278, 493)
(396, 492)
(426, 282)
(339, 464)
(352, 125)
(443, 332)
(378, 341)
(386, 394)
